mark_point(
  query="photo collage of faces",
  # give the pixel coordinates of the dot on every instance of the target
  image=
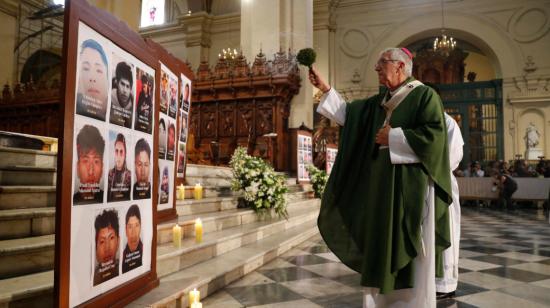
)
(185, 103)
(305, 156)
(167, 136)
(111, 229)
(331, 158)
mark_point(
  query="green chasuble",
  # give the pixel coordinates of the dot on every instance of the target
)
(371, 211)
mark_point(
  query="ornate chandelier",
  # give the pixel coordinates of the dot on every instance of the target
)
(444, 44)
(228, 54)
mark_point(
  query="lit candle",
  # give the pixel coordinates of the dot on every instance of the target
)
(176, 236)
(196, 305)
(194, 297)
(198, 230)
(198, 191)
(181, 192)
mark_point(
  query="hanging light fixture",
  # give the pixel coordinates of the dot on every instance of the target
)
(444, 44)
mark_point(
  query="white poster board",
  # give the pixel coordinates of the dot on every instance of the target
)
(112, 208)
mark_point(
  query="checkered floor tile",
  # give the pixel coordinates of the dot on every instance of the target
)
(504, 262)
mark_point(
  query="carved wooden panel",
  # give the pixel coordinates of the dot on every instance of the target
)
(264, 118)
(245, 116)
(239, 104)
(227, 120)
(208, 121)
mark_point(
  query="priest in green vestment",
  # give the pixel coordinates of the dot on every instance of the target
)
(384, 212)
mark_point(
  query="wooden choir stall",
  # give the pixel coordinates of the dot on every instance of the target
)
(237, 104)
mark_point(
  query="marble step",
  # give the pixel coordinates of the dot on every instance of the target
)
(26, 255)
(33, 289)
(197, 171)
(25, 157)
(214, 221)
(225, 190)
(19, 223)
(37, 223)
(27, 175)
(216, 273)
(216, 204)
(17, 197)
(218, 242)
(29, 291)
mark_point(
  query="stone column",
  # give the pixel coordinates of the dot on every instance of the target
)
(8, 23)
(279, 25)
(197, 36)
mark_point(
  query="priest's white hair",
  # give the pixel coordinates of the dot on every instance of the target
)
(398, 54)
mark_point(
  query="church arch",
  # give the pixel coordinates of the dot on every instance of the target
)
(503, 52)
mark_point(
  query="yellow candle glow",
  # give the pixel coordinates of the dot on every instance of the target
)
(198, 230)
(196, 305)
(176, 236)
(181, 192)
(198, 191)
(194, 297)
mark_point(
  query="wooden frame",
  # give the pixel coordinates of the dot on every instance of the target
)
(177, 67)
(299, 153)
(107, 26)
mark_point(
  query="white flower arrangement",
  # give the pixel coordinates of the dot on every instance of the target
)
(263, 189)
(318, 179)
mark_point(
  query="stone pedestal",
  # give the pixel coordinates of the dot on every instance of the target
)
(533, 154)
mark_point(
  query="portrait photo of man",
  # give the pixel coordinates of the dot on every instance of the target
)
(92, 83)
(181, 159)
(90, 146)
(122, 95)
(162, 139)
(142, 162)
(185, 98)
(173, 98)
(120, 177)
(106, 246)
(164, 186)
(171, 141)
(133, 252)
(144, 107)
(163, 92)
(183, 130)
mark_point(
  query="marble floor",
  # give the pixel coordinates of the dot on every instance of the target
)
(504, 262)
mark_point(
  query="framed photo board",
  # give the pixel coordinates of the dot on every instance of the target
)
(332, 150)
(304, 155)
(108, 162)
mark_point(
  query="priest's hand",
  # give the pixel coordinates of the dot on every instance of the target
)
(317, 81)
(382, 137)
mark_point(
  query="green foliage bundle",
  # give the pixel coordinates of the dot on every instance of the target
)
(264, 189)
(318, 179)
(306, 57)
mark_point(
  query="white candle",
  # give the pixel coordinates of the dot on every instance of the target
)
(194, 297)
(198, 230)
(176, 236)
(196, 305)
(181, 192)
(198, 191)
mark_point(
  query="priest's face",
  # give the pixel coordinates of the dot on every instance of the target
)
(390, 71)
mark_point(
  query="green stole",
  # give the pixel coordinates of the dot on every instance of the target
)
(371, 210)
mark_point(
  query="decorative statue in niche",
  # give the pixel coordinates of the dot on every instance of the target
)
(532, 136)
